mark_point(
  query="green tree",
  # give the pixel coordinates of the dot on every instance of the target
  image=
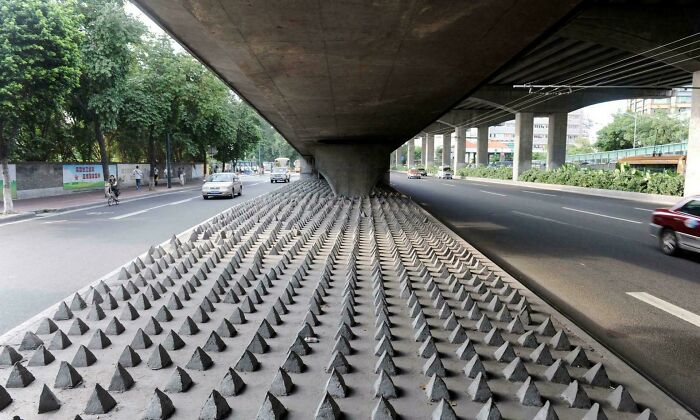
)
(246, 135)
(580, 146)
(39, 65)
(107, 53)
(651, 129)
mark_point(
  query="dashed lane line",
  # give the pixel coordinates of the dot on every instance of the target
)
(124, 216)
(667, 307)
(539, 193)
(603, 215)
(493, 193)
(546, 219)
(643, 209)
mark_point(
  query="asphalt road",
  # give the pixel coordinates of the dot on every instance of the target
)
(45, 259)
(584, 254)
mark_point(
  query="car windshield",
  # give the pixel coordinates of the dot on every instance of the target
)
(279, 170)
(221, 178)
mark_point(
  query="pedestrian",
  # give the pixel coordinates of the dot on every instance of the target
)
(155, 175)
(137, 174)
(181, 176)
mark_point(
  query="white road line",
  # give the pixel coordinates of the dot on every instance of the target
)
(446, 184)
(641, 209)
(667, 307)
(124, 216)
(489, 192)
(539, 193)
(603, 215)
(547, 219)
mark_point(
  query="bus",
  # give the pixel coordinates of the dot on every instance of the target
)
(282, 162)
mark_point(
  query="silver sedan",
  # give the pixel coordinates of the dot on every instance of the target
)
(223, 184)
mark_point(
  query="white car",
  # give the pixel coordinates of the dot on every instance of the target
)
(222, 184)
(445, 172)
(279, 174)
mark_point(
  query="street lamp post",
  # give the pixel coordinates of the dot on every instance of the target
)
(634, 135)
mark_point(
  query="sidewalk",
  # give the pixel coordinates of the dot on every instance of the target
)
(31, 207)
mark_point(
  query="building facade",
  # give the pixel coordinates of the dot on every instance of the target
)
(677, 104)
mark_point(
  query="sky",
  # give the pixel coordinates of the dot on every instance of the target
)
(600, 114)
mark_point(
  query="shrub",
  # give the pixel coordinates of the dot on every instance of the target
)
(486, 172)
(623, 179)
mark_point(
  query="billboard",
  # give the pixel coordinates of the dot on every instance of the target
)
(13, 181)
(87, 176)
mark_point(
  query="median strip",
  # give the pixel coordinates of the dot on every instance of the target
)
(667, 307)
(603, 215)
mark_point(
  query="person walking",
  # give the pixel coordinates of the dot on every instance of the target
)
(181, 176)
(137, 174)
(155, 176)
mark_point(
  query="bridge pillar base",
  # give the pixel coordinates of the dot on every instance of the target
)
(352, 170)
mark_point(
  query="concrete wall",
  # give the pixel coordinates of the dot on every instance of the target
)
(45, 179)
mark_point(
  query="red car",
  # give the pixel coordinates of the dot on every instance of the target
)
(678, 227)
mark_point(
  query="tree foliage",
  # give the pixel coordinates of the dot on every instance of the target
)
(652, 129)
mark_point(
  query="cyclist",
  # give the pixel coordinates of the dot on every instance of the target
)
(113, 187)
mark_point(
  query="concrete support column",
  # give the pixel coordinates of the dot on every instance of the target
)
(429, 150)
(482, 145)
(460, 147)
(352, 170)
(409, 153)
(522, 159)
(397, 156)
(692, 168)
(556, 140)
(308, 169)
(446, 148)
(423, 149)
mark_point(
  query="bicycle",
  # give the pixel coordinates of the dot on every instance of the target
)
(112, 197)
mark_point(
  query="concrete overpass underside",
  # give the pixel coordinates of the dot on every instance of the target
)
(347, 82)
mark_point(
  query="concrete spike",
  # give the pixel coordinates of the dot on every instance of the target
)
(300, 346)
(153, 327)
(484, 325)
(577, 358)
(282, 384)
(443, 411)
(180, 381)
(340, 363)
(557, 373)
(328, 409)
(647, 414)
(265, 330)
(271, 409)
(595, 413)
(41, 357)
(188, 327)
(67, 377)
(200, 315)
(575, 396)
(95, 313)
(77, 303)
(231, 384)
(129, 357)
(547, 328)
(336, 385)
(466, 351)
(258, 345)
(528, 394)
(5, 398)
(458, 335)
(247, 363)
(384, 345)
(474, 367)
(489, 411)
(160, 407)
(63, 312)
(123, 274)
(436, 389)
(597, 376)
(293, 363)
(141, 340)
(129, 313)
(515, 371)
(428, 348)
(159, 358)
(541, 355)
(99, 340)
(494, 338)
(226, 329)
(83, 357)
(384, 387)
(546, 413)
(386, 363)
(174, 303)
(48, 401)
(200, 360)
(621, 400)
(384, 410)
(215, 408)
(19, 377)
(237, 317)
(479, 389)
(47, 326)
(505, 353)
(114, 327)
(121, 380)
(560, 341)
(9, 356)
(100, 401)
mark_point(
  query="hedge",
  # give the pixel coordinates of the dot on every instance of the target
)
(486, 172)
(623, 179)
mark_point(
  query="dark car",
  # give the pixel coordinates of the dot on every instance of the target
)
(678, 227)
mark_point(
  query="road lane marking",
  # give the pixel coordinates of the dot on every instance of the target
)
(446, 184)
(124, 216)
(670, 308)
(639, 208)
(539, 193)
(547, 219)
(493, 193)
(603, 215)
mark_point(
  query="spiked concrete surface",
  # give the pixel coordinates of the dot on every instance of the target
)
(300, 305)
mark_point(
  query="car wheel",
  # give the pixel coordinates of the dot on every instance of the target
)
(668, 240)
(204, 197)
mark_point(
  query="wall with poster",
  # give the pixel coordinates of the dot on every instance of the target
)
(13, 181)
(85, 176)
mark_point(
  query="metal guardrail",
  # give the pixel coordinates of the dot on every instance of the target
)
(615, 155)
